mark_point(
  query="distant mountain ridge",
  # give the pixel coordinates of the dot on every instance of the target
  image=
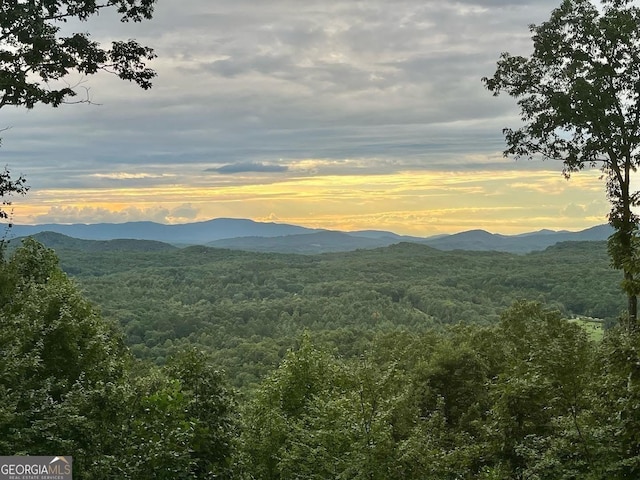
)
(59, 241)
(244, 234)
(198, 233)
(523, 243)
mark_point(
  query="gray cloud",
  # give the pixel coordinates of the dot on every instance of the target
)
(248, 167)
(395, 84)
(57, 214)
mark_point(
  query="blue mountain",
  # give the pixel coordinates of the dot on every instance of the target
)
(244, 234)
(189, 233)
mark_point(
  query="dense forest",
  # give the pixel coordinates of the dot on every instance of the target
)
(247, 308)
(402, 362)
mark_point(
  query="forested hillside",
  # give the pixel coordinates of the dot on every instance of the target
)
(248, 308)
(375, 387)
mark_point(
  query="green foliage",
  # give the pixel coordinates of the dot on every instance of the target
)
(68, 384)
(547, 377)
(212, 413)
(34, 54)
(53, 346)
(247, 309)
(318, 417)
(578, 97)
(8, 188)
(617, 403)
(515, 400)
(529, 396)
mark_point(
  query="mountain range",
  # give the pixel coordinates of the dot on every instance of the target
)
(244, 234)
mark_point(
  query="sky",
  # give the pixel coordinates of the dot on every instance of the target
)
(337, 114)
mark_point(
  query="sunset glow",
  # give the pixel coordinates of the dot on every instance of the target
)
(416, 203)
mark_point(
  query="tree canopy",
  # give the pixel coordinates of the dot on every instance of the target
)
(34, 53)
(529, 396)
(36, 57)
(578, 94)
(68, 383)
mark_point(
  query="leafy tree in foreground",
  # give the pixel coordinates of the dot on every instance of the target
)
(9, 188)
(211, 411)
(67, 385)
(35, 57)
(578, 95)
(54, 351)
(516, 400)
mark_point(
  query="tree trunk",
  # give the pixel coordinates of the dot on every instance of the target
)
(632, 300)
(626, 242)
(627, 231)
(622, 244)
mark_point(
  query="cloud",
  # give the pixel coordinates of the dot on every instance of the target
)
(127, 176)
(415, 201)
(183, 213)
(248, 167)
(160, 214)
(332, 90)
(573, 210)
(272, 217)
(300, 79)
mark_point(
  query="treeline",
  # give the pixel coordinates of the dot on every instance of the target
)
(529, 396)
(247, 309)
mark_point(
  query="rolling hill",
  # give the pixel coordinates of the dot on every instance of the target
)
(249, 235)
